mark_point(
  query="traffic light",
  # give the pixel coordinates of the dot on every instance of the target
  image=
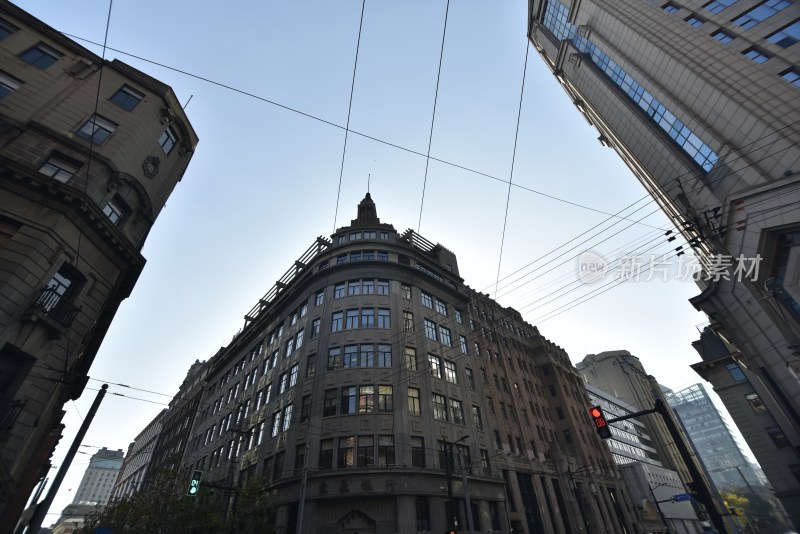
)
(600, 422)
(194, 483)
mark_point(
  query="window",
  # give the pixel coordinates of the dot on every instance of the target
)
(8, 84)
(430, 329)
(760, 13)
(787, 36)
(329, 403)
(367, 358)
(718, 5)
(276, 424)
(366, 399)
(385, 450)
(289, 347)
(413, 401)
(695, 22)
(756, 55)
(336, 321)
(167, 140)
(778, 437)
(352, 320)
(345, 458)
(350, 359)
(282, 384)
(435, 364)
(470, 377)
(354, 287)
(366, 451)
(735, 372)
(385, 399)
(319, 298)
(755, 402)
(127, 98)
(722, 37)
(792, 76)
(459, 319)
(40, 56)
(450, 372)
(383, 287)
(457, 411)
(411, 358)
(444, 336)
(384, 356)
(334, 358)
(670, 8)
(368, 287)
(417, 451)
(6, 29)
(60, 167)
(115, 209)
(385, 236)
(315, 328)
(384, 318)
(441, 307)
(405, 291)
(293, 375)
(439, 407)
(355, 256)
(426, 300)
(408, 321)
(338, 290)
(60, 290)
(367, 318)
(349, 398)
(311, 365)
(97, 129)
(305, 409)
(476, 418)
(559, 412)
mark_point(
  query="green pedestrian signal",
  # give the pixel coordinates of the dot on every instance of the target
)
(194, 483)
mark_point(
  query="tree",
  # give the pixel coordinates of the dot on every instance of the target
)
(164, 508)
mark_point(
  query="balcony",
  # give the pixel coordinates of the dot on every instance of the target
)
(53, 305)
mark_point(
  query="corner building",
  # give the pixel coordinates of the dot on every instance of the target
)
(701, 99)
(90, 150)
(369, 367)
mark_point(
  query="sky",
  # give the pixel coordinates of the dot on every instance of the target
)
(264, 181)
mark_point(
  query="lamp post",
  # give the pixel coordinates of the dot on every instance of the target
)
(448, 470)
(571, 476)
(658, 504)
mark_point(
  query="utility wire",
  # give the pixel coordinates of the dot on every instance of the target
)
(433, 115)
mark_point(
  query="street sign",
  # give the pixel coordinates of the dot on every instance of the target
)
(680, 497)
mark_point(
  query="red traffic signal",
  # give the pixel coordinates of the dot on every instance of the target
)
(600, 423)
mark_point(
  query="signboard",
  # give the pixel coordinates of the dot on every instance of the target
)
(680, 497)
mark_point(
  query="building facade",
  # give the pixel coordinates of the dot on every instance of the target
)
(372, 381)
(83, 176)
(651, 486)
(99, 478)
(136, 464)
(701, 99)
(712, 439)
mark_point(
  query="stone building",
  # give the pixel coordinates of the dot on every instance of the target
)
(372, 381)
(99, 478)
(83, 176)
(701, 99)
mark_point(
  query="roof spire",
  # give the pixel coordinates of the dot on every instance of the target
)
(367, 213)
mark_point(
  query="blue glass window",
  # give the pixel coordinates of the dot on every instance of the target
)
(787, 36)
(736, 372)
(670, 8)
(792, 76)
(695, 22)
(40, 56)
(760, 13)
(722, 37)
(6, 29)
(555, 19)
(718, 5)
(755, 55)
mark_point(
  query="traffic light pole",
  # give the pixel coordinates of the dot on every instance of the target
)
(700, 487)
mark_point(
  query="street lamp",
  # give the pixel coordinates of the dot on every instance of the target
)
(574, 485)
